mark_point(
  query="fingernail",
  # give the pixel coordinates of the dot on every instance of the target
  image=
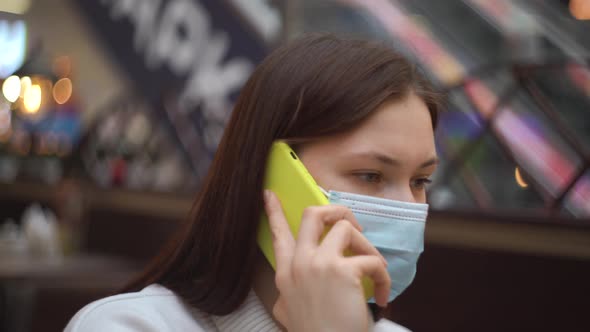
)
(384, 260)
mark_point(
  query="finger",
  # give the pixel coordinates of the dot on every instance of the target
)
(316, 218)
(346, 214)
(372, 267)
(282, 239)
(344, 236)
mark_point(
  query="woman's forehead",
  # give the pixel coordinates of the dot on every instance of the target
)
(397, 131)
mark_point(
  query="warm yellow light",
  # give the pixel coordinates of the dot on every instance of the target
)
(580, 9)
(32, 99)
(62, 90)
(11, 88)
(519, 180)
(25, 84)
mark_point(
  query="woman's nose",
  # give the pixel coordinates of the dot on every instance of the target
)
(402, 193)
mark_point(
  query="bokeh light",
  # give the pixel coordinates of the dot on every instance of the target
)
(11, 88)
(32, 99)
(519, 179)
(62, 90)
(25, 84)
(580, 9)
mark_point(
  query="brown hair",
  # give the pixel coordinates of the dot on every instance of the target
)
(315, 86)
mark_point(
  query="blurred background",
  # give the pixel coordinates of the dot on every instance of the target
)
(111, 111)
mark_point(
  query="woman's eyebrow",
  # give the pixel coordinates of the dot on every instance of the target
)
(387, 160)
(430, 162)
(384, 159)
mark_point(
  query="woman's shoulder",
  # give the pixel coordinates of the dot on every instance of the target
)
(155, 308)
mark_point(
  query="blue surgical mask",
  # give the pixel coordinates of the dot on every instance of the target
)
(395, 228)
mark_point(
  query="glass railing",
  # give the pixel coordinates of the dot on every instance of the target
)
(515, 138)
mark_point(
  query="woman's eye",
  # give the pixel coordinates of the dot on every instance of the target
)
(370, 177)
(421, 183)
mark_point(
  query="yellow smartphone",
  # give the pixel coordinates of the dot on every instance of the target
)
(288, 178)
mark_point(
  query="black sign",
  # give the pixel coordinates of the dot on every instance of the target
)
(188, 57)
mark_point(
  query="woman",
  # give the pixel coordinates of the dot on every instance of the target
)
(361, 118)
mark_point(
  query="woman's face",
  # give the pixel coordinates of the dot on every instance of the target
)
(390, 155)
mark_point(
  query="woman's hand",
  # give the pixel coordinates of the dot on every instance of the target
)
(320, 289)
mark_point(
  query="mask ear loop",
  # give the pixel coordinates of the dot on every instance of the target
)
(324, 191)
